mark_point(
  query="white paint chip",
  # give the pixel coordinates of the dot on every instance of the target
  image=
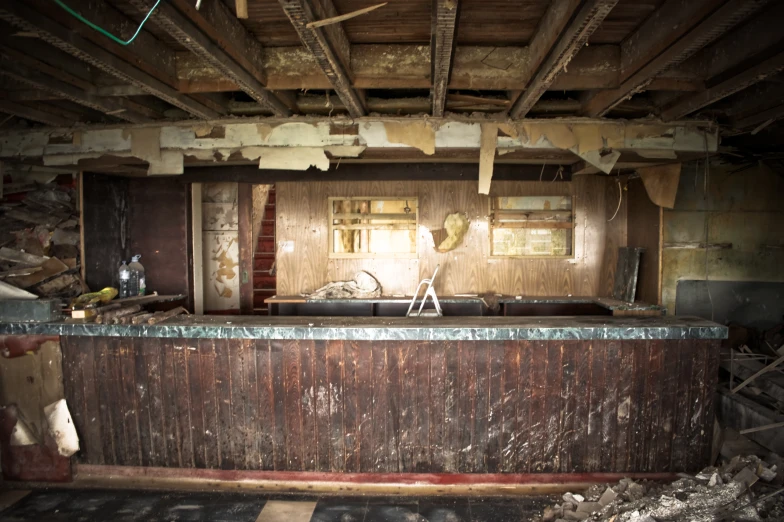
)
(286, 511)
(293, 158)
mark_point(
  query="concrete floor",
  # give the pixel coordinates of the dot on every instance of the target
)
(138, 506)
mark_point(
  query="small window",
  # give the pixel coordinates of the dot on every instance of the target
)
(368, 227)
(532, 226)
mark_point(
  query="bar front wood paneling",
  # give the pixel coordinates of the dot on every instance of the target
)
(392, 406)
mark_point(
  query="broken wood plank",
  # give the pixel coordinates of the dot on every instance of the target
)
(15, 256)
(347, 16)
(762, 428)
(141, 318)
(11, 292)
(57, 285)
(107, 317)
(167, 315)
(764, 370)
(241, 6)
(34, 217)
(32, 114)
(49, 268)
(581, 27)
(329, 47)
(17, 272)
(442, 50)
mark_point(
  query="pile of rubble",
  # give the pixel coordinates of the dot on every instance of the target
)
(39, 241)
(744, 489)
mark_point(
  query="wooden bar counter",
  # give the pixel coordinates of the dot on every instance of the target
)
(393, 395)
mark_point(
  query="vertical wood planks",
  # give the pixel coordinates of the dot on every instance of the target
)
(308, 399)
(421, 449)
(266, 422)
(293, 407)
(337, 450)
(438, 410)
(364, 357)
(468, 406)
(593, 437)
(321, 398)
(351, 409)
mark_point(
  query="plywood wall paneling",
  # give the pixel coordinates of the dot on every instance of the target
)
(302, 220)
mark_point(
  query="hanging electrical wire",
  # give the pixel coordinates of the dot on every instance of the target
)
(101, 29)
(620, 200)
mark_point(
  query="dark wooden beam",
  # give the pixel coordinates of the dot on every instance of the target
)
(675, 32)
(754, 120)
(29, 113)
(442, 49)
(182, 29)
(146, 52)
(328, 45)
(27, 19)
(740, 81)
(576, 33)
(37, 80)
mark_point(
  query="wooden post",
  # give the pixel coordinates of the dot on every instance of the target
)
(198, 259)
(245, 240)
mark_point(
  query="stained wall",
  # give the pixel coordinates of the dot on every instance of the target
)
(304, 266)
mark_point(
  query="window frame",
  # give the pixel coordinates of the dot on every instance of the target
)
(370, 255)
(573, 227)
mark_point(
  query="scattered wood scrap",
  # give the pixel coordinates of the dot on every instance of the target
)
(164, 316)
(110, 316)
(341, 18)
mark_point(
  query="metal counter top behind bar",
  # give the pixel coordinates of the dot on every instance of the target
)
(393, 328)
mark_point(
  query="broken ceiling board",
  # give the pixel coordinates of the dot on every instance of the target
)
(661, 183)
(50, 268)
(420, 135)
(293, 158)
(487, 156)
(537, 138)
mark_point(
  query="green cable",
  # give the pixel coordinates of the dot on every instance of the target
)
(103, 31)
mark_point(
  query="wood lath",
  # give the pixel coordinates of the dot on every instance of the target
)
(445, 13)
(328, 45)
(575, 35)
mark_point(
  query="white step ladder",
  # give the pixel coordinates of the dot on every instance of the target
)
(430, 291)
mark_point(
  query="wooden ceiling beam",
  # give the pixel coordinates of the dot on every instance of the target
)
(727, 87)
(23, 111)
(146, 53)
(328, 45)
(672, 34)
(442, 49)
(65, 90)
(580, 27)
(27, 19)
(755, 120)
(182, 29)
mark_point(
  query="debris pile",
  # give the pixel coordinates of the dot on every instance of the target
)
(40, 241)
(363, 285)
(751, 393)
(745, 488)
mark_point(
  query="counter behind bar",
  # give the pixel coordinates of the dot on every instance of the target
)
(393, 329)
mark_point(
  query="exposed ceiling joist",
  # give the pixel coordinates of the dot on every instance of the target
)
(29, 113)
(754, 120)
(146, 52)
(580, 27)
(740, 81)
(25, 18)
(644, 57)
(328, 45)
(65, 90)
(179, 27)
(442, 48)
